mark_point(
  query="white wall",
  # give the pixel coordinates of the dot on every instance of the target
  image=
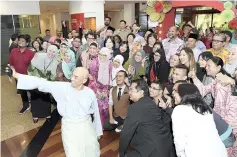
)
(90, 9)
(48, 21)
(52, 22)
(116, 16)
(19, 7)
(129, 13)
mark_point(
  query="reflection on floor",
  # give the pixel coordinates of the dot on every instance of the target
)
(53, 147)
(20, 136)
(12, 123)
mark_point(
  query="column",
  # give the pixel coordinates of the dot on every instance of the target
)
(80, 10)
(129, 13)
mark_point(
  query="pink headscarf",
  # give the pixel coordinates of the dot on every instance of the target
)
(104, 73)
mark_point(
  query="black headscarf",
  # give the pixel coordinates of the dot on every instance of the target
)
(157, 64)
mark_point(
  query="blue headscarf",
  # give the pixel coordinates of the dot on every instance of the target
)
(69, 67)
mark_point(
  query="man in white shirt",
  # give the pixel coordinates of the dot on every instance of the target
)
(172, 44)
(191, 43)
(118, 103)
(75, 103)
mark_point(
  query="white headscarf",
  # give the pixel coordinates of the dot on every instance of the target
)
(140, 39)
(116, 70)
(42, 61)
(104, 74)
(230, 67)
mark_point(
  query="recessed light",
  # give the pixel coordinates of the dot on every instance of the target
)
(57, 8)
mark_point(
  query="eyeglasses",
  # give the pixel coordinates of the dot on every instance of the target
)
(217, 41)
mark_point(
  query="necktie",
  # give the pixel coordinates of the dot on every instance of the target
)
(119, 93)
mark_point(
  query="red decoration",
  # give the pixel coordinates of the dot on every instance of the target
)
(158, 7)
(181, 33)
(233, 24)
(76, 19)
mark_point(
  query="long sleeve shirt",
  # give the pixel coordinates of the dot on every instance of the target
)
(172, 47)
(71, 103)
(194, 132)
(224, 102)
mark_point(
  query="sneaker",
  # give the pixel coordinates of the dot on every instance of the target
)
(23, 110)
(118, 129)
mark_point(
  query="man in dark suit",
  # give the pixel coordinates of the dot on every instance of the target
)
(143, 129)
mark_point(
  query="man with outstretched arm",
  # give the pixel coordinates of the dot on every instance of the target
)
(75, 103)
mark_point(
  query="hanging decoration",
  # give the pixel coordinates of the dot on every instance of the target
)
(157, 9)
(228, 14)
(233, 24)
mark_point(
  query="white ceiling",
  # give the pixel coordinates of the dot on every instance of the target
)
(63, 6)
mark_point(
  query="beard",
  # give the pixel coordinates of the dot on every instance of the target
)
(106, 24)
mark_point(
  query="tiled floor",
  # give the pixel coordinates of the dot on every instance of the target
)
(18, 132)
(12, 123)
(53, 147)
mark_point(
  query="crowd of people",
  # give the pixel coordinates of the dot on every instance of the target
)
(170, 97)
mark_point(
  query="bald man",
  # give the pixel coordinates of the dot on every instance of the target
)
(75, 103)
(172, 44)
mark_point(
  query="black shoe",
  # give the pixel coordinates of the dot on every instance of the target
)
(24, 109)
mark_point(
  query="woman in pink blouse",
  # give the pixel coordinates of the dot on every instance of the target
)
(224, 103)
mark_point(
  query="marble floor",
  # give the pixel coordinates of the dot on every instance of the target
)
(12, 123)
(20, 137)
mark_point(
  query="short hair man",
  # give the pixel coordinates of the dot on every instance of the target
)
(218, 46)
(20, 58)
(47, 35)
(191, 43)
(180, 73)
(90, 37)
(107, 22)
(109, 32)
(118, 103)
(122, 31)
(172, 44)
(143, 129)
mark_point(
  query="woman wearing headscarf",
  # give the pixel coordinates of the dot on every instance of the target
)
(124, 51)
(231, 61)
(62, 51)
(117, 66)
(66, 67)
(159, 68)
(99, 80)
(135, 65)
(138, 44)
(43, 65)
